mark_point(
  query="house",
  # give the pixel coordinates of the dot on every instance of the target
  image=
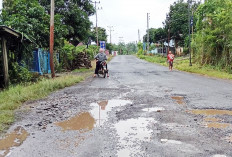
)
(11, 41)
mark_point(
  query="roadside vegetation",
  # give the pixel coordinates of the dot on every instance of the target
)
(182, 63)
(14, 96)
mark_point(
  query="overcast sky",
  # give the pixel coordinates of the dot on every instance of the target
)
(129, 16)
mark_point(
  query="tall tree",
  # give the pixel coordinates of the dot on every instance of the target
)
(213, 41)
(30, 18)
(75, 15)
(102, 36)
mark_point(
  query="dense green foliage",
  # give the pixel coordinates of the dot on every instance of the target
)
(32, 19)
(102, 36)
(155, 35)
(213, 41)
(69, 54)
(74, 15)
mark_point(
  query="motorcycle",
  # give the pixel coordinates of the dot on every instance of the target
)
(102, 70)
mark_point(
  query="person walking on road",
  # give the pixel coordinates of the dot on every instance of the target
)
(170, 59)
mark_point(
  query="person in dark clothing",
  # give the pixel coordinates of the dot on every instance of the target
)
(100, 57)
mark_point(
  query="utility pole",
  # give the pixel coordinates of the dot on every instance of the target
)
(120, 42)
(189, 44)
(110, 29)
(95, 2)
(52, 37)
(168, 18)
(148, 18)
(139, 36)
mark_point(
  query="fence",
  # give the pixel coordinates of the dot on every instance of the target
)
(41, 62)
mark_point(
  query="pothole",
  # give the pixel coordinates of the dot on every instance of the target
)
(170, 141)
(132, 133)
(13, 139)
(86, 121)
(208, 112)
(179, 99)
(154, 109)
(212, 119)
(83, 121)
(218, 125)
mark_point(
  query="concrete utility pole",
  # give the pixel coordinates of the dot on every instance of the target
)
(110, 29)
(95, 2)
(139, 36)
(189, 44)
(168, 18)
(148, 18)
(52, 37)
(120, 41)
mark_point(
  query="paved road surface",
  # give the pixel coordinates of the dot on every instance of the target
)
(141, 110)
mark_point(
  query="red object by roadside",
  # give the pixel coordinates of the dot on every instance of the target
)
(170, 57)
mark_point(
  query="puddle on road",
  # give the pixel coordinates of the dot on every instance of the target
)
(179, 99)
(212, 119)
(218, 125)
(13, 139)
(218, 155)
(132, 133)
(86, 121)
(208, 112)
(153, 109)
(101, 109)
(170, 141)
(83, 122)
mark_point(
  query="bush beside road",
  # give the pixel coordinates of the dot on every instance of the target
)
(182, 63)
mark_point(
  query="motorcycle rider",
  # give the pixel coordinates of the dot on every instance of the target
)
(100, 57)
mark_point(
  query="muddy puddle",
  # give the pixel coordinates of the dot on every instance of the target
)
(218, 125)
(13, 139)
(179, 99)
(211, 121)
(208, 112)
(132, 133)
(83, 121)
(154, 109)
(86, 121)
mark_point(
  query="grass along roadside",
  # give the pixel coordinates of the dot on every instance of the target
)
(15, 96)
(12, 98)
(182, 64)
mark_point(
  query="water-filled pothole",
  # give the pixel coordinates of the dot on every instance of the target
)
(170, 141)
(208, 112)
(132, 133)
(86, 121)
(13, 139)
(154, 109)
(179, 99)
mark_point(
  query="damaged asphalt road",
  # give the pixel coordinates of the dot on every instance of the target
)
(141, 110)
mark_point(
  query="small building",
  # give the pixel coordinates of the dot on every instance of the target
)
(11, 44)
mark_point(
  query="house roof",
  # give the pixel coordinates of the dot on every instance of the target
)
(13, 34)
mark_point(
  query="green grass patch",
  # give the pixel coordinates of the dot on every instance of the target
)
(182, 64)
(82, 70)
(12, 98)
